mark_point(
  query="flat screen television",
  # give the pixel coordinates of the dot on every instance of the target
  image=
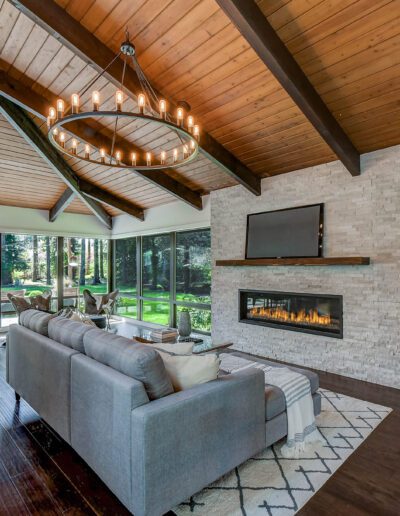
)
(289, 233)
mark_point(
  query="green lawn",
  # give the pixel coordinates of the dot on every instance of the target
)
(153, 311)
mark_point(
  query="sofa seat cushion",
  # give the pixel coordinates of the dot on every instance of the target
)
(36, 321)
(313, 377)
(274, 402)
(139, 361)
(274, 398)
(69, 333)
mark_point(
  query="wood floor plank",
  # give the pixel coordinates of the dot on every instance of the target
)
(11, 502)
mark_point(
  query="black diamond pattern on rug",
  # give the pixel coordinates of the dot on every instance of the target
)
(270, 484)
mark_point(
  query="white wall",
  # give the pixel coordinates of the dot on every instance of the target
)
(31, 221)
(362, 217)
(176, 216)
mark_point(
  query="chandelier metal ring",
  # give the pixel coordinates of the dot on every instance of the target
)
(191, 143)
(187, 132)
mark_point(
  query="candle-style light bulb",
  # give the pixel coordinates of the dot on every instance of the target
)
(175, 155)
(141, 102)
(55, 133)
(75, 103)
(179, 116)
(163, 157)
(52, 114)
(133, 158)
(148, 159)
(118, 156)
(87, 151)
(102, 156)
(185, 151)
(192, 144)
(96, 100)
(119, 97)
(62, 139)
(196, 132)
(60, 108)
(74, 145)
(163, 108)
(190, 123)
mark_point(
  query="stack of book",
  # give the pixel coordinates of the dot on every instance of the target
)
(164, 335)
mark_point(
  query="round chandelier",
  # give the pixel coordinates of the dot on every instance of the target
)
(183, 146)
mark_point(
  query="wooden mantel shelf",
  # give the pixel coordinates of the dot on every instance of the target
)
(345, 260)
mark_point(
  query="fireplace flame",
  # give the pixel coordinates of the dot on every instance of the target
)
(280, 314)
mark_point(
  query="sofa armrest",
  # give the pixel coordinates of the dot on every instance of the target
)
(185, 441)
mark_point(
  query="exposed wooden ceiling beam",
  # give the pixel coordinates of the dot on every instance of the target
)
(62, 204)
(81, 41)
(255, 28)
(99, 194)
(39, 106)
(32, 134)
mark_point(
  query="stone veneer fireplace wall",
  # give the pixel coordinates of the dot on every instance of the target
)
(362, 217)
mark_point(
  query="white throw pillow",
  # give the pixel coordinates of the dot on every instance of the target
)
(185, 371)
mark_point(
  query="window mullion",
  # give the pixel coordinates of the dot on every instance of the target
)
(172, 282)
(139, 275)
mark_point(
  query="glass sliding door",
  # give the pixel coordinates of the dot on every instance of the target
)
(125, 276)
(156, 278)
(85, 266)
(28, 268)
(193, 277)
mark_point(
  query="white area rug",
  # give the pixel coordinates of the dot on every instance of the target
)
(272, 485)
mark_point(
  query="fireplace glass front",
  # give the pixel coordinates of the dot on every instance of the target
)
(310, 313)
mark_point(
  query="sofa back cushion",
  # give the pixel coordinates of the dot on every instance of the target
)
(135, 360)
(67, 332)
(36, 321)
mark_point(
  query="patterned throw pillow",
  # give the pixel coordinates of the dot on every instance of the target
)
(20, 303)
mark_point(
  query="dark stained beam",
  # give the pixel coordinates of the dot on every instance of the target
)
(56, 21)
(255, 28)
(32, 134)
(39, 106)
(99, 194)
(62, 204)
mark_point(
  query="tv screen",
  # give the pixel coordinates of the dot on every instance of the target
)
(291, 233)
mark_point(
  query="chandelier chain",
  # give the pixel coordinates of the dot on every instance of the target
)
(117, 117)
(93, 81)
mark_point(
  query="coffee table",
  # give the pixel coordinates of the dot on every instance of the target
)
(131, 331)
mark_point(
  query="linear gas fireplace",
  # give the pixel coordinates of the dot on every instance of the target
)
(309, 313)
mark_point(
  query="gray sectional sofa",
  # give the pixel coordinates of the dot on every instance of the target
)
(112, 401)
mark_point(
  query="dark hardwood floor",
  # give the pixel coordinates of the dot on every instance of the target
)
(41, 474)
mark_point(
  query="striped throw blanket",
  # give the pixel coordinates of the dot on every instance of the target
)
(299, 405)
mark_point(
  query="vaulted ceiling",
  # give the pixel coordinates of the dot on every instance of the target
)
(192, 50)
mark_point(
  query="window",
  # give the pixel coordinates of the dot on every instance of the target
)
(160, 275)
(28, 268)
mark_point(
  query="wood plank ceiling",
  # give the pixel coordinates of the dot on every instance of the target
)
(349, 50)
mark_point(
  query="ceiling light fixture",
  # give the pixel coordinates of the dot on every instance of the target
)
(150, 109)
